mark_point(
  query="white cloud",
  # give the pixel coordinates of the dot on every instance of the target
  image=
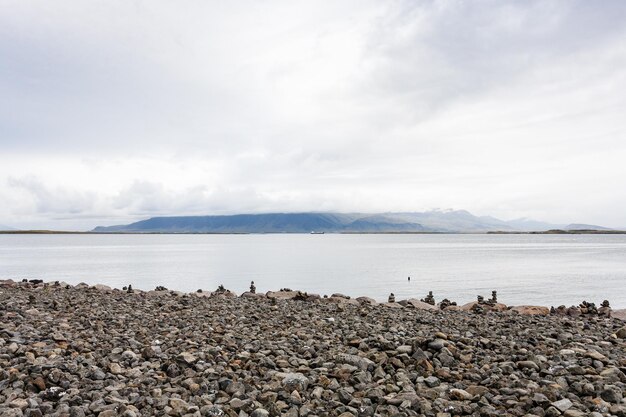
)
(117, 110)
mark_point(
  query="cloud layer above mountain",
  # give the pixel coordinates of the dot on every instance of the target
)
(119, 110)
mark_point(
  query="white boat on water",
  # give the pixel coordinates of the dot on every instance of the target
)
(313, 232)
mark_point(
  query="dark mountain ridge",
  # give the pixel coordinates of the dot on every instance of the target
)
(449, 221)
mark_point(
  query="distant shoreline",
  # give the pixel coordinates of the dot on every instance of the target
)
(496, 232)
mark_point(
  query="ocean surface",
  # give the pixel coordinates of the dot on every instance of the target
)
(524, 269)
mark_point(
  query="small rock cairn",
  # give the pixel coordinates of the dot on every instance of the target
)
(482, 304)
(429, 299)
(446, 303)
(584, 309)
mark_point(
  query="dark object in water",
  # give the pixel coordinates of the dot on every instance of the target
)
(392, 298)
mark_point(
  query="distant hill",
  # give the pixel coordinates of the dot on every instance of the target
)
(450, 221)
(268, 223)
(577, 226)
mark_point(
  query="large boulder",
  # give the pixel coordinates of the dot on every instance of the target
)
(619, 314)
(420, 305)
(282, 295)
(367, 300)
(249, 294)
(392, 305)
(342, 300)
(488, 307)
(102, 287)
(531, 310)
(339, 295)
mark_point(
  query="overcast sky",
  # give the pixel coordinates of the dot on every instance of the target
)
(113, 111)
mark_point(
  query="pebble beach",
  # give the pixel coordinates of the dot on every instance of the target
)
(97, 351)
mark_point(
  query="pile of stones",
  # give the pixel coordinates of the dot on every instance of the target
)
(429, 299)
(95, 351)
(585, 308)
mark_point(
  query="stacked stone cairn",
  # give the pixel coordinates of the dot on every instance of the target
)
(301, 296)
(429, 299)
(584, 309)
(446, 303)
(478, 307)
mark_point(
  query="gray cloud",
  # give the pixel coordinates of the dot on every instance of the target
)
(113, 111)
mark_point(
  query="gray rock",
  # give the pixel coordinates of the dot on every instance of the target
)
(528, 365)
(461, 395)
(295, 381)
(562, 405)
(436, 344)
(432, 381)
(179, 406)
(611, 394)
(355, 360)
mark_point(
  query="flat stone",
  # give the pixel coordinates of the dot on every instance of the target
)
(461, 395)
(432, 381)
(420, 305)
(355, 360)
(562, 405)
(20, 403)
(405, 349)
(531, 310)
(527, 365)
(188, 358)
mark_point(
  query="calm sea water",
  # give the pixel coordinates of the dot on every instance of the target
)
(534, 269)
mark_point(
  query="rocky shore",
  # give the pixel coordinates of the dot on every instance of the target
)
(92, 350)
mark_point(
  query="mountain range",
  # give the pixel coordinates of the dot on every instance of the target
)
(442, 221)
